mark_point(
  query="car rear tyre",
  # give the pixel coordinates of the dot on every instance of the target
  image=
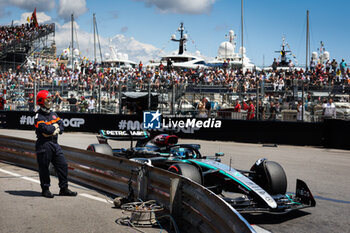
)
(101, 148)
(187, 170)
(271, 177)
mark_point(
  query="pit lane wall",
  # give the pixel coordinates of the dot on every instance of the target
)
(194, 208)
(330, 133)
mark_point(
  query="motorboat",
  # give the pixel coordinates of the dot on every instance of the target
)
(184, 61)
(181, 59)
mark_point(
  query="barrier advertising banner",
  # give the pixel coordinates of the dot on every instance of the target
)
(292, 133)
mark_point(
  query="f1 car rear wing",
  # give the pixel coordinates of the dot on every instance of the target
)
(122, 135)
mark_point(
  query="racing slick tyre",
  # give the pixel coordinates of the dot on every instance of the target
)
(270, 176)
(186, 170)
(101, 148)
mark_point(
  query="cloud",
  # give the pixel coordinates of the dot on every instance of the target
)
(82, 39)
(68, 7)
(181, 6)
(41, 17)
(68, 26)
(40, 5)
(136, 50)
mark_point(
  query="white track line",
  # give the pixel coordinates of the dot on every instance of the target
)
(38, 182)
(19, 176)
(93, 197)
(259, 229)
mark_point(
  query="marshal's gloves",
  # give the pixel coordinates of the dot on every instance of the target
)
(57, 131)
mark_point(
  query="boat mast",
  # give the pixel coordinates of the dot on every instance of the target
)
(72, 19)
(307, 40)
(242, 34)
(182, 39)
(181, 49)
(94, 37)
(98, 38)
(99, 77)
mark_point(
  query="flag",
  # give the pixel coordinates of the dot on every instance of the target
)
(35, 21)
(28, 19)
(66, 51)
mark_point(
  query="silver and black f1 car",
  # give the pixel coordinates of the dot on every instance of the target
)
(263, 186)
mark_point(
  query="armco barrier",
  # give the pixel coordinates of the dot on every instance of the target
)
(194, 208)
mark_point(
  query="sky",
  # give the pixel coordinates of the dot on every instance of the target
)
(143, 28)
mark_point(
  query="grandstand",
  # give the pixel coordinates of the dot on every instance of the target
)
(24, 43)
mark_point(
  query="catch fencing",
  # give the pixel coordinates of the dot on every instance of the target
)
(194, 208)
(184, 100)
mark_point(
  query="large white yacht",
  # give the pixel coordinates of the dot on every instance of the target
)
(322, 57)
(117, 61)
(227, 55)
(181, 59)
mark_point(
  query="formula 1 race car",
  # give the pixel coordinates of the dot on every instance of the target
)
(263, 186)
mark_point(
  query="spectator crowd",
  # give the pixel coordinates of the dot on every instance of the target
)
(89, 76)
(14, 35)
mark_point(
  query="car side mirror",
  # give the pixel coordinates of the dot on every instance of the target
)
(219, 154)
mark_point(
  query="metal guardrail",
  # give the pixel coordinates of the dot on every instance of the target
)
(195, 208)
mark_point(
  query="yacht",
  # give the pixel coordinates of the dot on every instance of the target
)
(322, 57)
(76, 60)
(283, 63)
(117, 61)
(66, 59)
(181, 59)
(228, 56)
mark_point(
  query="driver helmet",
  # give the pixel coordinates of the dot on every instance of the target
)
(165, 140)
(44, 99)
(182, 152)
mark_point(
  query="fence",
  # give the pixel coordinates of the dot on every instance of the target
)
(194, 208)
(183, 100)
